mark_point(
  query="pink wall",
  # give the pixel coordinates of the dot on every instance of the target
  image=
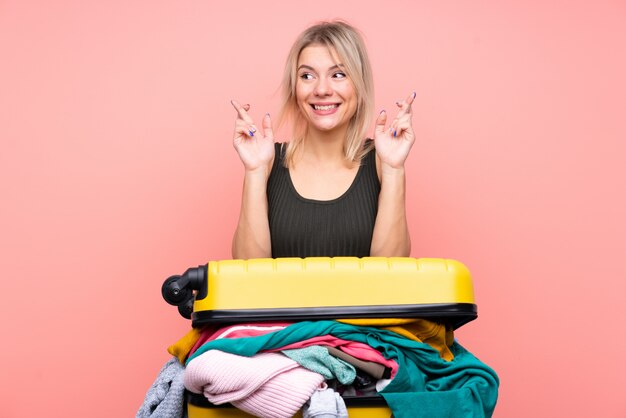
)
(117, 170)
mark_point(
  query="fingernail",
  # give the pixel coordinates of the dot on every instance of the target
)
(251, 133)
(382, 111)
(267, 114)
(394, 133)
(414, 94)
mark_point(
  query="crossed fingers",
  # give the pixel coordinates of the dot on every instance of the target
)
(402, 121)
(244, 125)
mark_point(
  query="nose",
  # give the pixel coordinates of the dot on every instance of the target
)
(323, 88)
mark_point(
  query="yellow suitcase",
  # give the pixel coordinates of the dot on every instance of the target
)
(295, 289)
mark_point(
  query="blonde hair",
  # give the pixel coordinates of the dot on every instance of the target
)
(348, 43)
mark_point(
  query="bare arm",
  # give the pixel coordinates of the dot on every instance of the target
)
(252, 236)
(391, 233)
(256, 150)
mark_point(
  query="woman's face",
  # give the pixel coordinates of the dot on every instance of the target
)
(324, 93)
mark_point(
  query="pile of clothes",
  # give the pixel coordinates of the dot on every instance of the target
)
(274, 370)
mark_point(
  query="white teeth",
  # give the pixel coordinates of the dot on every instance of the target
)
(325, 107)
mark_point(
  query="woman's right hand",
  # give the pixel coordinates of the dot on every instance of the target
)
(255, 148)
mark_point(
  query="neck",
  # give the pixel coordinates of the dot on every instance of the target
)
(325, 145)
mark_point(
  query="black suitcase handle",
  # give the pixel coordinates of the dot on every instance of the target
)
(178, 290)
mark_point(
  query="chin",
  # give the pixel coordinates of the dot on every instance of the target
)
(325, 128)
(325, 125)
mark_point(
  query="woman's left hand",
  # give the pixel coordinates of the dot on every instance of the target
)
(393, 144)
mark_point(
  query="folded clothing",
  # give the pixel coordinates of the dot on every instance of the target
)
(435, 334)
(250, 329)
(317, 359)
(266, 385)
(181, 348)
(356, 349)
(376, 370)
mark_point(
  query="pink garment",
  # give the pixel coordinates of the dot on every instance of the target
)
(267, 385)
(248, 330)
(354, 348)
(252, 329)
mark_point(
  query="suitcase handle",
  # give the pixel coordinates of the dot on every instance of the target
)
(178, 290)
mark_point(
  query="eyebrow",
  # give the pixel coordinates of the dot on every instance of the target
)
(308, 67)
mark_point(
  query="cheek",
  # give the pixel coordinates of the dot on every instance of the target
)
(348, 92)
(351, 110)
(300, 101)
(300, 94)
(349, 96)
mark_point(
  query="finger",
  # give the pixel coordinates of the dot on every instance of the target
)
(243, 132)
(406, 118)
(393, 127)
(408, 102)
(245, 125)
(241, 111)
(381, 120)
(244, 128)
(410, 98)
(400, 123)
(404, 127)
(267, 127)
(405, 105)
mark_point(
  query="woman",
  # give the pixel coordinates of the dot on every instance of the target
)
(329, 191)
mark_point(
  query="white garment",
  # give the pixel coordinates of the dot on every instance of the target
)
(325, 403)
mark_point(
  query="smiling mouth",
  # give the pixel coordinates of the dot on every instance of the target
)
(325, 107)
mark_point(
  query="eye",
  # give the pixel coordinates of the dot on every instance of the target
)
(306, 76)
(340, 74)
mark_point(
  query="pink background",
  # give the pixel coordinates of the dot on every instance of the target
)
(117, 170)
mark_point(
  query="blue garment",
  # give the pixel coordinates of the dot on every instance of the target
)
(317, 359)
(165, 398)
(425, 384)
